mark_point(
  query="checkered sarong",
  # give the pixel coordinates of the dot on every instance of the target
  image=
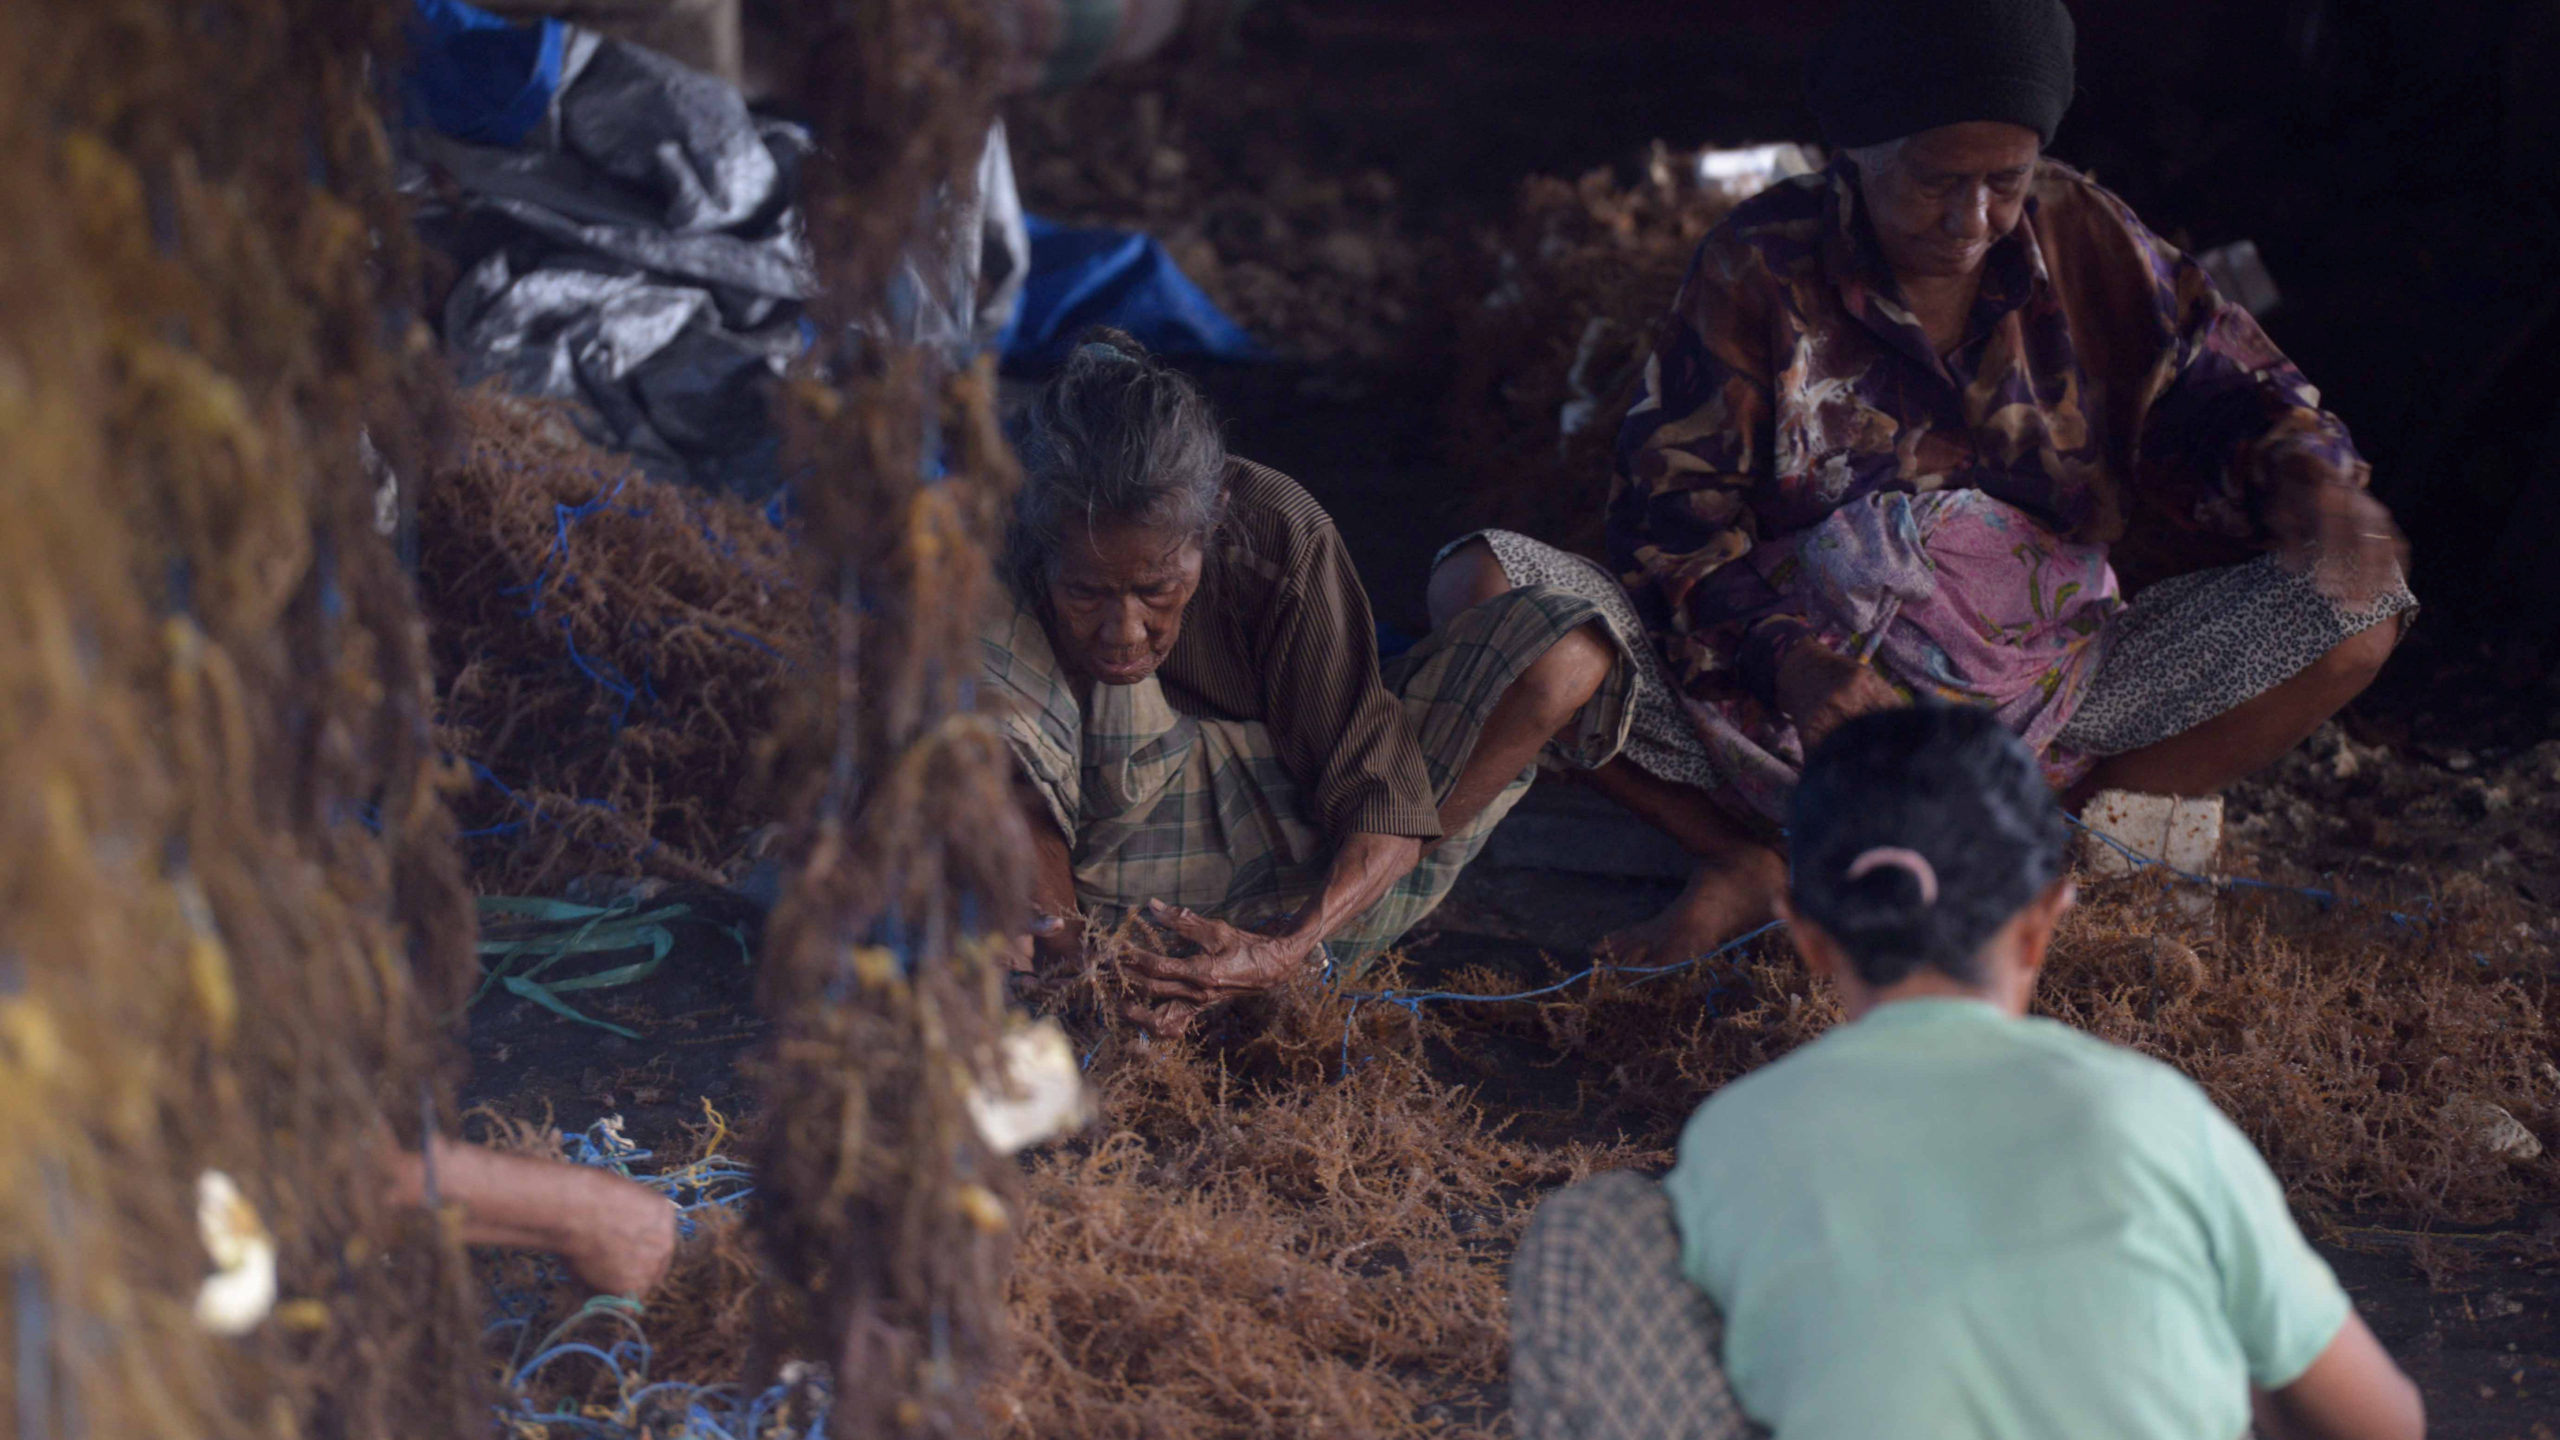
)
(1199, 812)
(1609, 1341)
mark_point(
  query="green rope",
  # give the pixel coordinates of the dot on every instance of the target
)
(519, 965)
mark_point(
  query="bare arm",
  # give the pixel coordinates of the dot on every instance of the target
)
(1820, 689)
(2352, 1392)
(2334, 531)
(1365, 867)
(618, 1236)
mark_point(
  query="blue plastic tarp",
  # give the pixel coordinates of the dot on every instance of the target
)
(1120, 278)
(479, 77)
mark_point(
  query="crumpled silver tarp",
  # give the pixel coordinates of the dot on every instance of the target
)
(639, 252)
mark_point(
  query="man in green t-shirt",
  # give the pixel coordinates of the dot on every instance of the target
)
(1944, 1218)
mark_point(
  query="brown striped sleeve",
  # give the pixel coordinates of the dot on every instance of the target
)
(1297, 648)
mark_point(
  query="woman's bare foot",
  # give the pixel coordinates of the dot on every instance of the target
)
(1727, 897)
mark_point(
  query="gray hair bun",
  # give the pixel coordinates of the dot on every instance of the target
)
(1116, 436)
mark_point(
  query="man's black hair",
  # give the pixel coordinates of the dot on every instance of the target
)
(1949, 783)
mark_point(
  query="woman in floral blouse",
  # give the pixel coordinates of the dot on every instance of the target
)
(1947, 421)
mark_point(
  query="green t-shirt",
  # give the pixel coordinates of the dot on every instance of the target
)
(1941, 1221)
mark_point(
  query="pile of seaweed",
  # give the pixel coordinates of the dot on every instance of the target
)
(1294, 1228)
(2364, 1051)
(1551, 356)
(612, 653)
(230, 916)
(1299, 1222)
(1318, 262)
(1257, 1240)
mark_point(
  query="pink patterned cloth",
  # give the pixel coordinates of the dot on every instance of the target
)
(1951, 595)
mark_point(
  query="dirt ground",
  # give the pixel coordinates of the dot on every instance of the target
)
(2474, 1316)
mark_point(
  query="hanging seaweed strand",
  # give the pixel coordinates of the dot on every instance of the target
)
(229, 905)
(886, 1220)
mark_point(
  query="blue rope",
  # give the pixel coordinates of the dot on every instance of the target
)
(533, 813)
(562, 518)
(34, 1358)
(1412, 1001)
(2325, 899)
(753, 643)
(573, 1347)
(610, 682)
(488, 777)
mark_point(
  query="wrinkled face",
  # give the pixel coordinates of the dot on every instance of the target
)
(1117, 593)
(1950, 193)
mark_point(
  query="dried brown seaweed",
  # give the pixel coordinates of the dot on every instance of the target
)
(1580, 281)
(2349, 1045)
(612, 651)
(883, 1211)
(1299, 1224)
(229, 908)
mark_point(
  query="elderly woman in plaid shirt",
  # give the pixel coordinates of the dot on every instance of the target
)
(1206, 737)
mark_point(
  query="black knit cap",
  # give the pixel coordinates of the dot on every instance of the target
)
(1891, 68)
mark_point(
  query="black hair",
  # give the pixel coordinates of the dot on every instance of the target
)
(1949, 783)
(1116, 435)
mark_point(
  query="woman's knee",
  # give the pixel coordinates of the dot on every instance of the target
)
(1559, 683)
(2354, 662)
(1468, 577)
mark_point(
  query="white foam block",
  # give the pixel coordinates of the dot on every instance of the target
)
(2182, 832)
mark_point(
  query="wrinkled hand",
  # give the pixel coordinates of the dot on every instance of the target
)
(2339, 536)
(1821, 690)
(1171, 991)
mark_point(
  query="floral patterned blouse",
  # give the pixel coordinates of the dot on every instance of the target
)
(2103, 387)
